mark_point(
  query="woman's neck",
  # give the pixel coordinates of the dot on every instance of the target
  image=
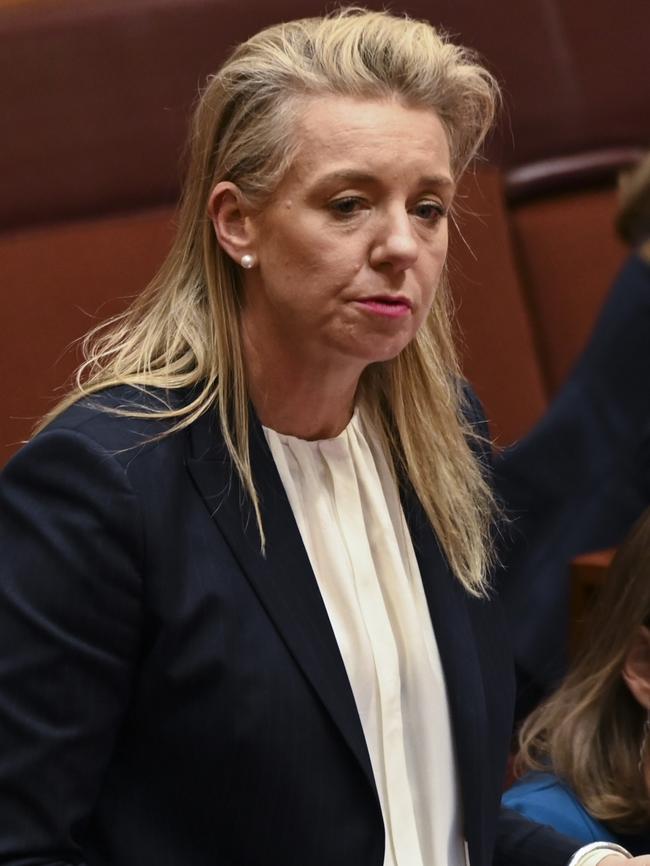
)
(308, 400)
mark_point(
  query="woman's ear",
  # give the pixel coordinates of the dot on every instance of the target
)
(636, 668)
(232, 222)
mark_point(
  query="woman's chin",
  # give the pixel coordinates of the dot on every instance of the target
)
(381, 351)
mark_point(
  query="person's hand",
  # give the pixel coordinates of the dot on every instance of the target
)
(617, 860)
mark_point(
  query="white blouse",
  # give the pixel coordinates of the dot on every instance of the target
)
(349, 514)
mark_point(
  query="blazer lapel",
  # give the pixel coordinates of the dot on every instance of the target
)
(448, 608)
(283, 578)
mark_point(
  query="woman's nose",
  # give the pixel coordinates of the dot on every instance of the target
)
(395, 245)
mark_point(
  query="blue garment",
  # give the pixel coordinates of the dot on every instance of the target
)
(544, 798)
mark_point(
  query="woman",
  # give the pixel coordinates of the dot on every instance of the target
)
(586, 750)
(227, 549)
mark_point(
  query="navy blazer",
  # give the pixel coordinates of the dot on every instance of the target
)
(171, 697)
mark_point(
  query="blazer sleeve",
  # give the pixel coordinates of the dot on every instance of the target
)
(522, 841)
(519, 840)
(70, 609)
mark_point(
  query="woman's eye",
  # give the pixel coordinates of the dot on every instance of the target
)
(429, 210)
(346, 206)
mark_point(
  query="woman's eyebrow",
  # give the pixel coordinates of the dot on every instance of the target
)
(356, 176)
(345, 176)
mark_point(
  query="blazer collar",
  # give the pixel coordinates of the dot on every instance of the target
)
(286, 586)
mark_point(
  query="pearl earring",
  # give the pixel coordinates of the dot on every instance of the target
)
(248, 261)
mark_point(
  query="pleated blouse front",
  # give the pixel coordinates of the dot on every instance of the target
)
(347, 507)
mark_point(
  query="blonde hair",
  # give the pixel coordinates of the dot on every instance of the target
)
(183, 331)
(589, 732)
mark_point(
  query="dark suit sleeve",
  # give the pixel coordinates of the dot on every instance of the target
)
(578, 480)
(70, 605)
(521, 842)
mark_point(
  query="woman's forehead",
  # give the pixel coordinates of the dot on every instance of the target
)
(340, 133)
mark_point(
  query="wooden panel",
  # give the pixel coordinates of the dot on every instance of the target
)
(568, 256)
(57, 283)
(497, 346)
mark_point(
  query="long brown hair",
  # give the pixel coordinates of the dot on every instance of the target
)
(183, 331)
(589, 732)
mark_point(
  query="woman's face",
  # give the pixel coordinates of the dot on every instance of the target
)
(351, 247)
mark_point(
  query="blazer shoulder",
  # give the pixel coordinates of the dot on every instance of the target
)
(121, 421)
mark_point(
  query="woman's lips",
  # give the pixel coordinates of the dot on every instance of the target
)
(393, 308)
